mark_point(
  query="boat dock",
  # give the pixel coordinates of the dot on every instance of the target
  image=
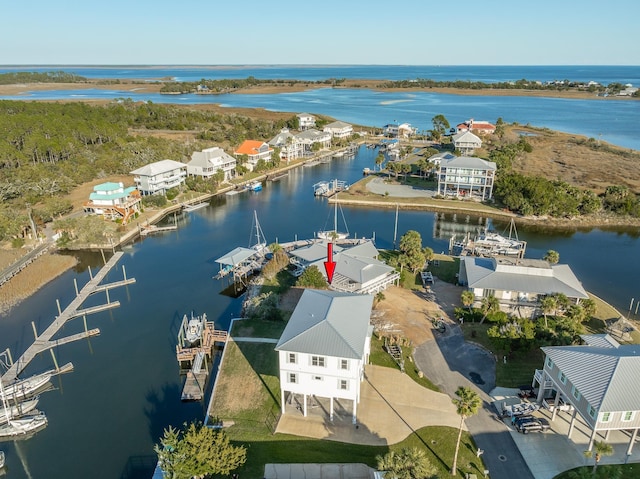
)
(44, 341)
(196, 356)
(151, 229)
(329, 188)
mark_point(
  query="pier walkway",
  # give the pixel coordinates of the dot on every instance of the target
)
(44, 341)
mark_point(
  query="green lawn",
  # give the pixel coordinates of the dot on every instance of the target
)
(248, 393)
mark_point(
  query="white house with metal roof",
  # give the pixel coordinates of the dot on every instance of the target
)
(518, 283)
(599, 379)
(290, 146)
(467, 177)
(209, 161)
(466, 142)
(160, 176)
(339, 129)
(309, 137)
(324, 348)
(306, 121)
(358, 269)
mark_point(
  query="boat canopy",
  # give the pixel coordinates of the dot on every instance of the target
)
(236, 256)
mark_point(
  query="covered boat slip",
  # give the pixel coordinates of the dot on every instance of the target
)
(240, 263)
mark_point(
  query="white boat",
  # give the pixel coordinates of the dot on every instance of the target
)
(333, 234)
(24, 388)
(23, 426)
(20, 409)
(255, 186)
(194, 328)
(1, 459)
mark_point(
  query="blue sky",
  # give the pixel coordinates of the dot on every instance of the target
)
(232, 32)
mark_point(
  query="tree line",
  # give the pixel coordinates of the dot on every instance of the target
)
(229, 85)
(40, 77)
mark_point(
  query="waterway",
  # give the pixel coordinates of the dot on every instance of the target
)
(105, 416)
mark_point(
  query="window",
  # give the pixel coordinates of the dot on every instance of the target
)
(293, 378)
(317, 361)
(592, 412)
(317, 378)
(576, 394)
(628, 416)
(292, 358)
(343, 384)
(549, 363)
(605, 417)
(344, 364)
(562, 377)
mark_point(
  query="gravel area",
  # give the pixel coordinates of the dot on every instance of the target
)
(380, 187)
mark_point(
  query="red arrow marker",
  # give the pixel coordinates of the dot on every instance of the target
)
(330, 265)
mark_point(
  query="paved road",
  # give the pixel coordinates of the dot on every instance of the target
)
(453, 363)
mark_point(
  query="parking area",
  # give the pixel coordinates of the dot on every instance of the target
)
(549, 453)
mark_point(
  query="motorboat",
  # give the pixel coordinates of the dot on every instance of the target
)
(194, 329)
(255, 186)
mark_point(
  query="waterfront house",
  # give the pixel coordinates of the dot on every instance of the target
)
(324, 348)
(254, 151)
(339, 129)
(395, 130)
(306, 121)
(358, 269)
(290, 147)
(466, 177)
(466, 142)
(479, 127)
(519, 284)
(158, 177)
(598, 381)
(208, 162)
(436, 159)
(310, 137)
(114, 202)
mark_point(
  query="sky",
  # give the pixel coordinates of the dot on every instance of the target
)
(338, 32)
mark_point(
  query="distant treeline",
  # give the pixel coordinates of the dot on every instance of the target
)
(226, 86)
(562, 85)
(36, 77)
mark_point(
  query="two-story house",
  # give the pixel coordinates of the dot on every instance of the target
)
(113, 201)
(599, 380)
(480, 127)
(324, 348)
(306, 121)
(466, 142)
(255, 151)
(290, 147)
(466, 177)
(310, 137)
(208, 162)
(158, 177)
(339, 129)
(519, 284)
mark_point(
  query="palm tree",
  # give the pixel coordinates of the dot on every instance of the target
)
(467, 404)
(552, 256)
(467, 299)
(548, 304)
(379, 160)
(601, 449)
(407, 464)
(489, 304)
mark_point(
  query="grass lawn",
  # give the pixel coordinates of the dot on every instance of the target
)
(445, 267)
(248, 393)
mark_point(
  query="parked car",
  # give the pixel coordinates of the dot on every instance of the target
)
(535, 424)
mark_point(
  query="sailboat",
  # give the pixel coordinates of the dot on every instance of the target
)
(334, 234)
(23, 388)
(20, 409)
(16, 428)
(261, 243)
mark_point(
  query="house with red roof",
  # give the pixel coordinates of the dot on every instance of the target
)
(477, 127)
(255, 151)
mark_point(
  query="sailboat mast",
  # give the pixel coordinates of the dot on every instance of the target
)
(4, 402)
(395, 228)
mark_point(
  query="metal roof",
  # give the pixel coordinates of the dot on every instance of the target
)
(158, 168)
(607, 377)
(328, 323)
(236, 256)
(600, 340)
(466, 136)
(481, 273)
(468, 162)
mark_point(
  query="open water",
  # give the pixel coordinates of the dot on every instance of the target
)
(105, 417)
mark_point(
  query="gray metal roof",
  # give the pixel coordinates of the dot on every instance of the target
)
(481, 273)
(360, 269)
(600, 340)
(607, 377)
(236, 256)
(468, 162)
(281, 138)
(466, 136)
(337, 124)
(315, 252)
(328, 323)
(158, 167)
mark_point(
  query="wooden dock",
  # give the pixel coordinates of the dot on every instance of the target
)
(45, 341)
(210, 336)
(152, 229)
